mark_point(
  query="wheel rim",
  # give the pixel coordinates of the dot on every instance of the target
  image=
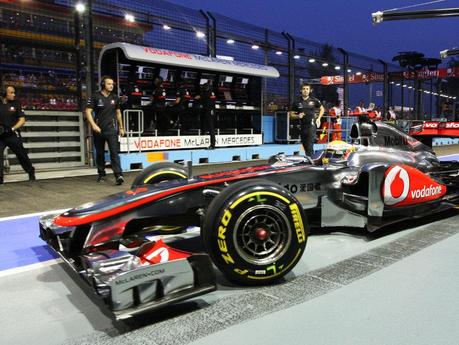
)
(262, 234)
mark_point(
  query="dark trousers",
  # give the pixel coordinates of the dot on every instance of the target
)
(308, 136)
(208, 118)
(13, 142)
(111, 138)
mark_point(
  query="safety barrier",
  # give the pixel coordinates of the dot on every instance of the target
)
(287, 130)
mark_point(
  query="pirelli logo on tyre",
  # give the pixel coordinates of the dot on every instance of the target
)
(298, 223)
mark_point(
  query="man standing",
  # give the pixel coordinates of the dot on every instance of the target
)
(335, 114)
(106, 124)
(163, 121)
(11, 119)
(310, 111)
(360, 109)
(180, 106)
(207, 106)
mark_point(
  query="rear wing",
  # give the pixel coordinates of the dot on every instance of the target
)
(427, 130)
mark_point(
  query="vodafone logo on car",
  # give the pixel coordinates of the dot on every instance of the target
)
(431, 125)
(452, 125)
(405, 185)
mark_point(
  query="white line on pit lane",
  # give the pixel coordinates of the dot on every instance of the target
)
(32, 214)
(452, 155)
(28, 268)
(190, 233)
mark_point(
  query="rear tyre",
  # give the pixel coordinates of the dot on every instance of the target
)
(255, 232)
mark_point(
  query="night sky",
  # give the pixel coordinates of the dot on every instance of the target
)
(345, 23)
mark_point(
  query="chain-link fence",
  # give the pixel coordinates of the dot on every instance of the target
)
(46, 52)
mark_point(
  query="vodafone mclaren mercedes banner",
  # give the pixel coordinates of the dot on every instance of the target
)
(450, 72)
(173, 58)
(187, 142)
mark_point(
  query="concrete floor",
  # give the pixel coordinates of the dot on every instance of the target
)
(349, 288)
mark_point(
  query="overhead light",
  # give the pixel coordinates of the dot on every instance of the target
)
(358, 73)
(349, 71)
(392, 82)
(200, 34)
(129, 17)
(337, 68)
(312, 60)
(278, 52)
(325, 64)
(230, 41)
(166, 27)
(296, 57)
(410, 87)
(255, 47)
(398, 84)
(405, 85)
(80, 7)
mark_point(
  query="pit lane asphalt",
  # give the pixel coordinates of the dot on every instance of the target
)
(19, 198)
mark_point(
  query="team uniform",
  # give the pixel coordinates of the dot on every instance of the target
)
(310, 107)
(159, 109)
(336, 113)
(208, 112)
(10, 113)
(105, 117)
(181, 107)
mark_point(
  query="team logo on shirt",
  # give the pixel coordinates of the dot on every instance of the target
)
(12, 109)
(100, 103)
(311, 103)
(112, 101)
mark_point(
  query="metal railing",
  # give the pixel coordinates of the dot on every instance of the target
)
(287, 130)
(129, 125)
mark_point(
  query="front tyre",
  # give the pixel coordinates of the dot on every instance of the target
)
(255, 232)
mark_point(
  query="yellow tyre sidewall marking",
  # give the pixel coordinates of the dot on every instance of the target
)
(163, 173)
(254, 194)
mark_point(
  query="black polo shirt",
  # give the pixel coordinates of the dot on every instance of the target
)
(104, 110)
(310, 107)
(159, 98)
(10, 113)
(184, 96)
(208, 98)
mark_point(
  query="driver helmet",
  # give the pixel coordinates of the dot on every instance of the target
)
(337, 150)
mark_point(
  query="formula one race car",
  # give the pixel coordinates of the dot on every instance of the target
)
(253, 221)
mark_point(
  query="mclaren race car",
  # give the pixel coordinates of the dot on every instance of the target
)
(253, 221)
